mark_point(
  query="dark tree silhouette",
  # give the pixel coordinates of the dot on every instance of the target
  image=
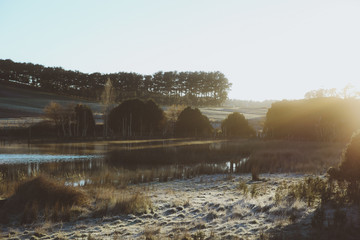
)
(137, 118)
(235, 125)
(194, 88)
(191, 123)
(70, 120)
(349, 168)
(325, 119)
(154, 118)
(84, 121)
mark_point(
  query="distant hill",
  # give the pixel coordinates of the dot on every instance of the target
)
(23, 102)
(166, 88)
(29, 102)
(249, 103)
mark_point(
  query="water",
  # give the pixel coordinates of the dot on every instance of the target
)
(42, 158)
(91, 162)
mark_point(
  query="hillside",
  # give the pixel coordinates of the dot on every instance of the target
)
(26, 102)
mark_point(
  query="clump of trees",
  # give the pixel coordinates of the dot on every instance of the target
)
(191, 123)
(235, 125)
(71, 120)
(347, 92)
(190, 88)
(84, 121)
(137, 118)
(325, 119)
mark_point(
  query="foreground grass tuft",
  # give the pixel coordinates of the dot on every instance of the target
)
(42, 197)
(123, 202)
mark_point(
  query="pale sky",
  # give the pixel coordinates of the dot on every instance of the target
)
(267, 49)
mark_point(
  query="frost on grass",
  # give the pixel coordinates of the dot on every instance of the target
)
(198, 208)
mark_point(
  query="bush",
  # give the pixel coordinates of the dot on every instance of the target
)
(44, 194)
(349, 168)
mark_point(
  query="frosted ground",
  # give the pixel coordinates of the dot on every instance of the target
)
(210, 206)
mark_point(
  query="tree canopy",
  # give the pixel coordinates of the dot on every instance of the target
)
(235, 125)
(84, 121)
(167, 88)
(71, 120)
(137, 118)
(325, 119)
(191, 123)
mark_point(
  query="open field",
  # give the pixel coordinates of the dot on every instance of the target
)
(22, 102)
(22, 106)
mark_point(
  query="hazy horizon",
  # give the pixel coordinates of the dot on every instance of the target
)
(268, 50)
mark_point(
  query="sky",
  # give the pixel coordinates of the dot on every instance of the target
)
(267, 49)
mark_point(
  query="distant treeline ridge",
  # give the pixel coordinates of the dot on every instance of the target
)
(166, 88)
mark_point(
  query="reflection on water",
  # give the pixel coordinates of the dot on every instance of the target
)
(101, 147)
(84, 163)
(39, 158)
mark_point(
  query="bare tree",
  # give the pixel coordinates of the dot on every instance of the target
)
(53, 112)
(108, 99)
(62, 117)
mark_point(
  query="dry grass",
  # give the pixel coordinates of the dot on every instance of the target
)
(44, 200)
(135, 203)
(110, 201)
(42, 197)
(152, 233)
(290, 156)
(243, 187)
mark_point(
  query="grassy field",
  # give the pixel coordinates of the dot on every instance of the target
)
(22, 102)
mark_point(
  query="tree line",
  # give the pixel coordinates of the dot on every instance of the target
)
(324, 119)
(136, 118)
(71, 120)
(166, 88)
(348, 91)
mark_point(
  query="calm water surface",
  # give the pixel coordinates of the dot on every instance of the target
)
(90, 158)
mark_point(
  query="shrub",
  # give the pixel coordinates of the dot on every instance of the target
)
(42, 193)
(349, 168)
